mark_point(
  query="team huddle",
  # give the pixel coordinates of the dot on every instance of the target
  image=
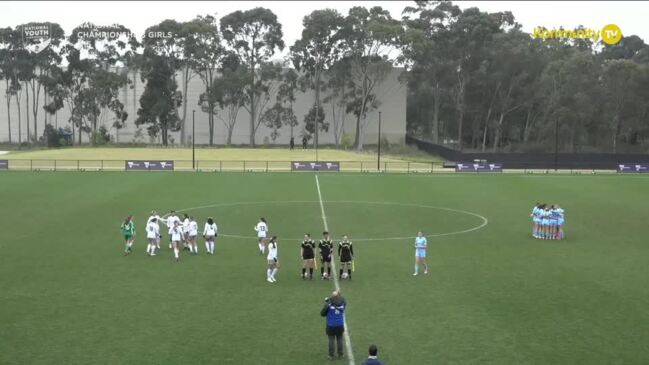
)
(307, 253)
(547, 221)
(182, 234)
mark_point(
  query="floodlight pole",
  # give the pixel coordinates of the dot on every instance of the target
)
(378, 156)
(193, 140)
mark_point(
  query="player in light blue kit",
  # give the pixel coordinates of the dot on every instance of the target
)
(561, 221)
(554, 222)
(420, 253)
(536, 220)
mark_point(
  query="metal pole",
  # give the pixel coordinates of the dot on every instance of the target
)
(556, 143)
(378, 156)
(193, 140)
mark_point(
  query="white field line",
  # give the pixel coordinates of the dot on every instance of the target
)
(348, 341)
(484, 220)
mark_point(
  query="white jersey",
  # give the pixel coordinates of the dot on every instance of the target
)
(262, 229)
(171, 221)
(272, 251)
(193, 228)
(176, 233)
(152, 230)
(157, 222)
(186, 225)
(210, 229)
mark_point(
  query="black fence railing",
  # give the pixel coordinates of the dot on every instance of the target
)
(285, 166)
(559, 161)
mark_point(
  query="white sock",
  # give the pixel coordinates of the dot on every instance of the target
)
(176, 252)
(148, 248)
(195, 248)
(211, 247)
(207, 246)
(268, 273)
(261, 248)
(272, 274)
(130, 244)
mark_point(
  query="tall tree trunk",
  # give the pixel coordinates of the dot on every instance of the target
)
(435, 121)
(8, 98)
(164, 135)
(45, 116)
(528, 125)
(36, 91)
(459, 104)
(210, 121)
(19, 118)
(317, 109)
(291, 122)
(29, 136)
(229, 139)
(484, 137)
(498, 132)
(252, 107)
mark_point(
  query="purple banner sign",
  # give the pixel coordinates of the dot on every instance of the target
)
(149, 165)
(633, 167)
(479, 167)
(315, 166)
(4, 164)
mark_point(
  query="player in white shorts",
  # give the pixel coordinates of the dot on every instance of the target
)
(152, 235)
(262, 231)
(186, 232)
(273, 263)
(171, 223)
(176, 238)
(209, 233)
(191, 236)
(155, 215)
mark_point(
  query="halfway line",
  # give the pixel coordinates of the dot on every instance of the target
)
(348, 341)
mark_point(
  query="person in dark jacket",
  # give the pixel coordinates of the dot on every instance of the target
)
(304, 141)
(292, 143)
(334, 310)
(373, 359)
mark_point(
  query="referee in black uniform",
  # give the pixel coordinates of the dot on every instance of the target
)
(326, 251)
(346, 254)
(308, 256)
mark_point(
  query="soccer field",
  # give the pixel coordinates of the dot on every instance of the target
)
(493, 295)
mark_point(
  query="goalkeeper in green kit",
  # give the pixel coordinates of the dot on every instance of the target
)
(128, 231)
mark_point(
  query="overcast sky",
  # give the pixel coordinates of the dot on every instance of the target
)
(630, 16)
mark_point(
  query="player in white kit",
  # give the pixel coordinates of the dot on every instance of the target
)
(171, 223)
(153, 236)
(186, 232)
(155, 215)
(191, 236)
(273, 263)
(262, 231)
(210, 233)
(176, 238)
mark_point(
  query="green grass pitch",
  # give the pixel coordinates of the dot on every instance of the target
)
(494, 295)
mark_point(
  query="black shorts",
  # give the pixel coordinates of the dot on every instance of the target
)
(345, 260)
(335, 331)
(307, 257)
(326, 259)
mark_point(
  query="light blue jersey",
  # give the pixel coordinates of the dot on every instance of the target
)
(561, 218)
(554, 217)
(420, 246)
(536, 215)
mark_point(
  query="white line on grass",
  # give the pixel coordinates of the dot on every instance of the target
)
(348, 341)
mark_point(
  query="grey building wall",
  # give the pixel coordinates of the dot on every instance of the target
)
(391, 92)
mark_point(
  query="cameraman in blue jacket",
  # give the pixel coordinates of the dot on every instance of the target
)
(334, 310)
